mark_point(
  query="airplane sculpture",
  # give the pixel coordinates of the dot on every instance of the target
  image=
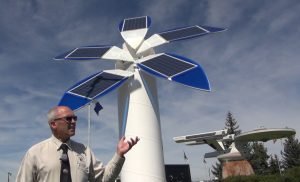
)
(136, 64)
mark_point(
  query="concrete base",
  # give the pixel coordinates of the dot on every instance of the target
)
(236, 168)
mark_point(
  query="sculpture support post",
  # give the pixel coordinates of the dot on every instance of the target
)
(139, 116)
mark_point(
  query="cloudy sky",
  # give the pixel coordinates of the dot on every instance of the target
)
(253, 68)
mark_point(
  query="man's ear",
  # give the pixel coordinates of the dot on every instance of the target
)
(53, 124)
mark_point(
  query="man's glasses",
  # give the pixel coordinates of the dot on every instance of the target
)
(69, 119)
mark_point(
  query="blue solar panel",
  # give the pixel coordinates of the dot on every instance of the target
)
(168, 65)
(177, 68)
(183, 33)
(88, 52)
(96, 85)
(134, 23)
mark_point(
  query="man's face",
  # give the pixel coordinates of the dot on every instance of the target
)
(64, 123)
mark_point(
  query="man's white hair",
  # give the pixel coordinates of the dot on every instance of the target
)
(52, 113)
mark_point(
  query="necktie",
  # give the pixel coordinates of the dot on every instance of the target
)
(65, 172)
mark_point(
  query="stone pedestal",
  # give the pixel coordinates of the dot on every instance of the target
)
(236, 168)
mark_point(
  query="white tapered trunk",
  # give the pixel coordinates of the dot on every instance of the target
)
(139, 116)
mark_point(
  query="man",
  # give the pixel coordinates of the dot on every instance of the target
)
(61, 159)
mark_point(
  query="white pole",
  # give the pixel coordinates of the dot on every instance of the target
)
(139, 116)
(89, 124)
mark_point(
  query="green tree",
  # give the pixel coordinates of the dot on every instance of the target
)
(231, 124)
(259, 158)
(274, 165)
(217, 170)
(291, 153)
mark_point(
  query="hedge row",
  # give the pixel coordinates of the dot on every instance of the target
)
(290, 175)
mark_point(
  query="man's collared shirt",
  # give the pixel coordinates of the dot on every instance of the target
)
(42, 163)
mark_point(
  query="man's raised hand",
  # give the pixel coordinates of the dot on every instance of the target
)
(124, 146)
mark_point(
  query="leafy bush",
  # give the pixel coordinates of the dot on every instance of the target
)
(290, 175)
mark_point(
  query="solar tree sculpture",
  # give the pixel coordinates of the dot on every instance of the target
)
(134, 75)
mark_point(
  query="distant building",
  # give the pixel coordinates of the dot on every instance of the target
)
(178, 173)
